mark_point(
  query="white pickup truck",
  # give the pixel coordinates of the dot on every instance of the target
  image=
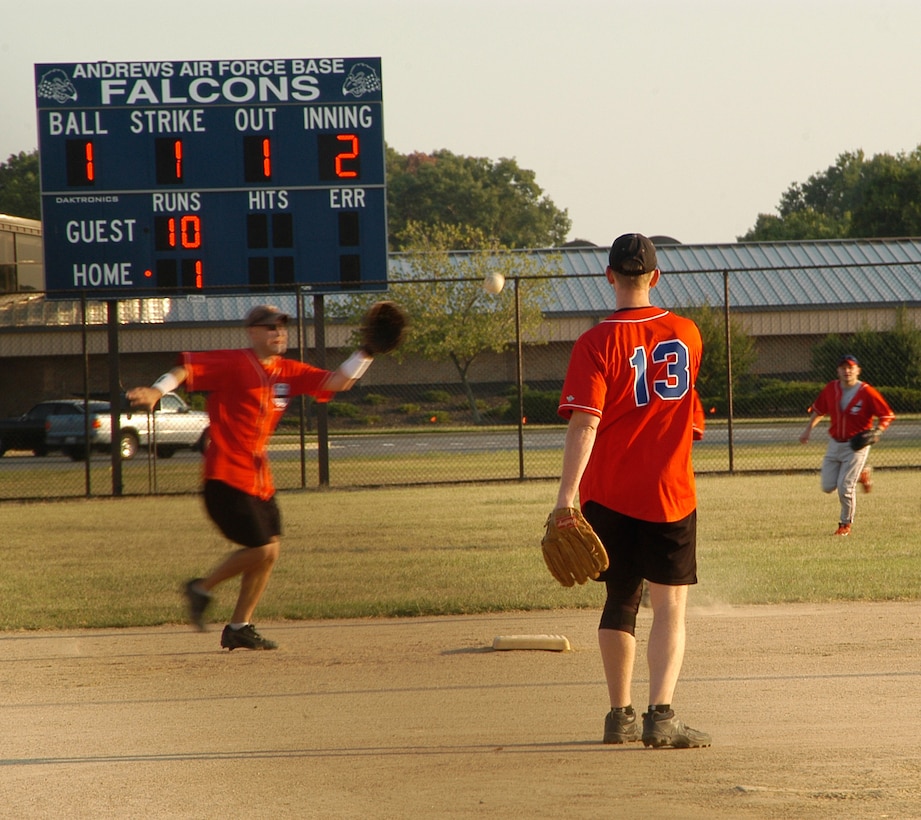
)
(172, 426)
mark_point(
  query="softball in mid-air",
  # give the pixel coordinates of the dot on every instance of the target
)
(494, 282)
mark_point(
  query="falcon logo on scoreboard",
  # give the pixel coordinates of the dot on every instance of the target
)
(56, 85)
(362, 80)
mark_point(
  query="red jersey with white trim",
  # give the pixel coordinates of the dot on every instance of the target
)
(636, 371)
(246, 400)
(866, 403)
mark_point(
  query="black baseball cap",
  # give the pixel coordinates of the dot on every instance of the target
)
(848, 358)
(265, 315)
(633, 254)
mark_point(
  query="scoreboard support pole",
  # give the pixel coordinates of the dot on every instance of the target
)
(84, 338)
(115, 398)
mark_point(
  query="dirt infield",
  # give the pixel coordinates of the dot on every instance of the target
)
(814, 711)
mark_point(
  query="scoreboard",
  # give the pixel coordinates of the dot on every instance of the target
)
(242, 176)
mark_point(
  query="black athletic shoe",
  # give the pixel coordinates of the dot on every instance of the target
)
(620, 727)
(245, 638)
(664, 729)
(198, 603)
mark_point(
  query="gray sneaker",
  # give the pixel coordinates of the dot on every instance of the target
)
(620, 727)
(245, 638)
(198, 602)
(664, 729)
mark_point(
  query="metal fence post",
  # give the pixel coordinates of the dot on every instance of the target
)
(302, 400)
(319, 332)
(519, 378)
(727, 329)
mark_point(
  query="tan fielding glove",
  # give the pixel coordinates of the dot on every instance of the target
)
(572, 551)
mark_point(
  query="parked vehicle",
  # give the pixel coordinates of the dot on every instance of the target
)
(27, 432)
(172, 426)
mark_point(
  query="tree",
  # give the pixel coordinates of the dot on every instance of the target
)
(711, 381)
(854, 198)
(502, 201)
(799, 225)
(451, 316)
(20, 191)
(890, 357)
(889, 197)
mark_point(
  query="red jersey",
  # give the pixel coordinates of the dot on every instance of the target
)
(246, 400)
(846, 423)
(636, 371)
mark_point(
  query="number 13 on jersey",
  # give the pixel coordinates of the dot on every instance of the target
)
(673, 353)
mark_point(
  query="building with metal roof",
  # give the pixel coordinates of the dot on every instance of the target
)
(786, 295)
(829, 274)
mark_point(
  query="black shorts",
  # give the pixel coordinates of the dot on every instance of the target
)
(241, 517)
(661, 552)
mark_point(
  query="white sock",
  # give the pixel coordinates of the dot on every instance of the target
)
(239, 626)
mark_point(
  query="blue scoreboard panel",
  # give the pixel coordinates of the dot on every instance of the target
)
(170, 178)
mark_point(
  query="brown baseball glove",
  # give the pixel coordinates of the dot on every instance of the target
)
(572, 551)
(382, 328)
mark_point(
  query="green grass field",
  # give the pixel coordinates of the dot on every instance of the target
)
(439, 550)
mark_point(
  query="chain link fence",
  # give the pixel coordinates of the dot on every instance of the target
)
(486, 415)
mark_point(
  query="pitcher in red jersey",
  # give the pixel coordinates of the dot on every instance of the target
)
(248, 391)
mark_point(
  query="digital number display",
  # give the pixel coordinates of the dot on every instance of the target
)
(81, 165)
(162, 178)
(168, 153)
(339, 156)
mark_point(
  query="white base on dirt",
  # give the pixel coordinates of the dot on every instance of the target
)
(553, 643)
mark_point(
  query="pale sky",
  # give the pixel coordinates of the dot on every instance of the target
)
(659, 116)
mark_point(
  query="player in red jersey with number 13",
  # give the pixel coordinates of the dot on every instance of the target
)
(633, 415)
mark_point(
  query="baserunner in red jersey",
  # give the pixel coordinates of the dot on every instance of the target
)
(633, 415)
(248, 391)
